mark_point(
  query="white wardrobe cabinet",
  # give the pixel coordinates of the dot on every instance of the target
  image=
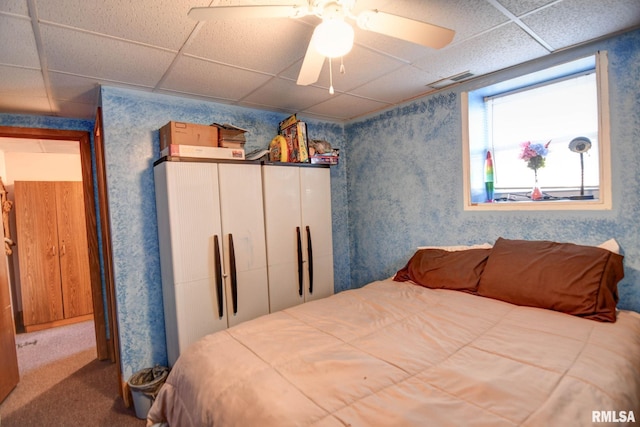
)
(212, 247)
(297, 209)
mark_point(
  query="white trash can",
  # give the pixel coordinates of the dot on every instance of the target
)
(145, 385)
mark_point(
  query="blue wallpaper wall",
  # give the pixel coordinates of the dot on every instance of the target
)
(405, 183)
(399, 185)
(131, 120)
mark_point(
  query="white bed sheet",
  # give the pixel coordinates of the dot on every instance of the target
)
(398, 354)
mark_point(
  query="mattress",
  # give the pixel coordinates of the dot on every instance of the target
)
(394, 353)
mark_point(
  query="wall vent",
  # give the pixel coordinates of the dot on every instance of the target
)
(450, 80)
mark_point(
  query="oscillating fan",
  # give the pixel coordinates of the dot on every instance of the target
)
(333, 37)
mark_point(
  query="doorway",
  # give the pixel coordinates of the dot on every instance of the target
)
(80, 141)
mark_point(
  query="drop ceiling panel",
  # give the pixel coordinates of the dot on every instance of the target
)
(358, 69)
(503, 47)
(161, 23)
(268, 47)
(467, 18)
(66, 87)
(345, 107)
(109, 59)
(520, 7)
(18, 7)
(397, 86)
(583, 20)
(21, 82)
(25, 104)
(196, 76)
(17, 44)
(285, 95)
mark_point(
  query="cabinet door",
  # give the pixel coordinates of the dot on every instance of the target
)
(284, 235)
(244, 241)
(315, 186)
(37, 241)
(188, 211)
(73, 250)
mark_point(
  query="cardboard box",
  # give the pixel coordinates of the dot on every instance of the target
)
(181, 150)
(180, 133)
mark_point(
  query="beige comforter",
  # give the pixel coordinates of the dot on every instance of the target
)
(397, 354)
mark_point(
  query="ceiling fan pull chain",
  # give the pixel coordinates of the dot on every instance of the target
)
(331, 91)
(342, 69)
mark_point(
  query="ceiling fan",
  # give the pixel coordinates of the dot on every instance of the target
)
(333, 37)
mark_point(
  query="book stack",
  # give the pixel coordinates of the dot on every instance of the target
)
(230, 136)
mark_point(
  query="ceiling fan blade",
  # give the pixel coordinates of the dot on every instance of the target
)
(247, 12)
(405, 29)
(311, 66)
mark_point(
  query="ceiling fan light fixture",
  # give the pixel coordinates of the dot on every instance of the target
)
(333, 38)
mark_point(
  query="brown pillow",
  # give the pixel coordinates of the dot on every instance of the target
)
(441, 269)
(574, 279)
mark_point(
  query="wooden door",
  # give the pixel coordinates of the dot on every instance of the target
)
(73, 250)
(37, 241)
(9, 376)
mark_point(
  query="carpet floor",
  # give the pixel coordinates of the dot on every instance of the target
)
(63, 384)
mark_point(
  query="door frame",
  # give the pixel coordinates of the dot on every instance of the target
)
(104, 346)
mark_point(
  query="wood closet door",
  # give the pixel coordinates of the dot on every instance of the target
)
(37, 241)
(73, 249)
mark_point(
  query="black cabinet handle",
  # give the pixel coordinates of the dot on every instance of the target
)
(234, 276)
(310, 259)
(218, 267)
(299, 261)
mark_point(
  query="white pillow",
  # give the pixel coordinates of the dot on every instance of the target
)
(459, 247)
(610, 245)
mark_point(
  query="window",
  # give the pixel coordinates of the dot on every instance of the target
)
(561, 111)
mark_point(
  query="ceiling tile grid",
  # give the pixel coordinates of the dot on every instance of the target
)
(153, 45)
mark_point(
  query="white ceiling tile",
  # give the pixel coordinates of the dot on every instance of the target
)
(397, 86)
(466, 18)
(358, 69)
(109, 59)
(17, 45)
(25, 104)
(16, 81)
(520, 7)
(267, 47)
(161, 23)
(17, 7)
(286, 95)
(66, 87)
(583, 20)
(345, 107)
(196, 76)
(81, 110)
(506, 46)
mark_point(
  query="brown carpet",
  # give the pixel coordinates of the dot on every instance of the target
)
(66, 385)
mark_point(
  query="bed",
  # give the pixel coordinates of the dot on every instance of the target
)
(438, 344)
